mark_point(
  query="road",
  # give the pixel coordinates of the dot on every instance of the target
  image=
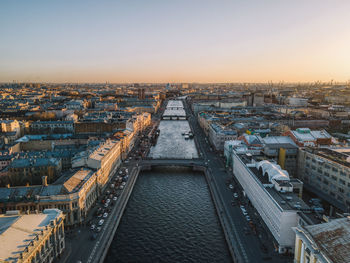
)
(251, 246)
(79, 246)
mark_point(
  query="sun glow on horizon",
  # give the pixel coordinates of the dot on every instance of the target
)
(182, 41)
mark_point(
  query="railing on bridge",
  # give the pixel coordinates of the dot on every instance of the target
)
(172, 162)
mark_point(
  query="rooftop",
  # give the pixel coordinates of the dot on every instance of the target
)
(77, 179)
(332, 238)
(18, 231)
(337, 155)
(286, 200)
(103, 149)
(34, 162)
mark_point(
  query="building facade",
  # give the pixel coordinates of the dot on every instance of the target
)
(326, 172)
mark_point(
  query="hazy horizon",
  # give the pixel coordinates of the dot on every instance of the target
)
(174, 41)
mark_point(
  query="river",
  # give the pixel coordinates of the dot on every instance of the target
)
(170, 217)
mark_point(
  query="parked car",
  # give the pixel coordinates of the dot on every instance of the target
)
(92, 227)
(100, 223)
(105, 215)
(115, 198)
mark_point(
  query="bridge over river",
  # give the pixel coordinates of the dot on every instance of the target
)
(148, 163)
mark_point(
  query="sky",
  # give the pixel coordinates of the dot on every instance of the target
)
(174, 41)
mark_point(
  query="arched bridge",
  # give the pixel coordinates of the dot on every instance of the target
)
(172, 162)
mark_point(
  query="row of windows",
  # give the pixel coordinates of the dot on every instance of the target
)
(326, 166)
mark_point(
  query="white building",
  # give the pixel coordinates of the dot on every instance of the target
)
(270, 190)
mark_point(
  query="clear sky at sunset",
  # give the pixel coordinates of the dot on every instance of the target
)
(174, 40)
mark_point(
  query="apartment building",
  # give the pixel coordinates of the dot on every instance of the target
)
(326, 172)
(66, 126)
(218, 134)
(31, 170)
(74, 194)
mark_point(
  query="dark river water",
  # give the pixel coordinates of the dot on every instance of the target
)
(170, 217)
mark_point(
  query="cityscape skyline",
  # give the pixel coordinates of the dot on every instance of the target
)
(196, 41)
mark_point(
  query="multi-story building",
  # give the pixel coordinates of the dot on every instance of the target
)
(323, 243)
(75, 105)
(31, 170)
(10, 126)
(219, 134)
(273, 194)
(306, 137)
(5, 159)
(105, 159)
(326, 172)
(52, 126)
(98, 126)
(32, 238)
(74, 194)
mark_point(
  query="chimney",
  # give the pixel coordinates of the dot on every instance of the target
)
(44, 180)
